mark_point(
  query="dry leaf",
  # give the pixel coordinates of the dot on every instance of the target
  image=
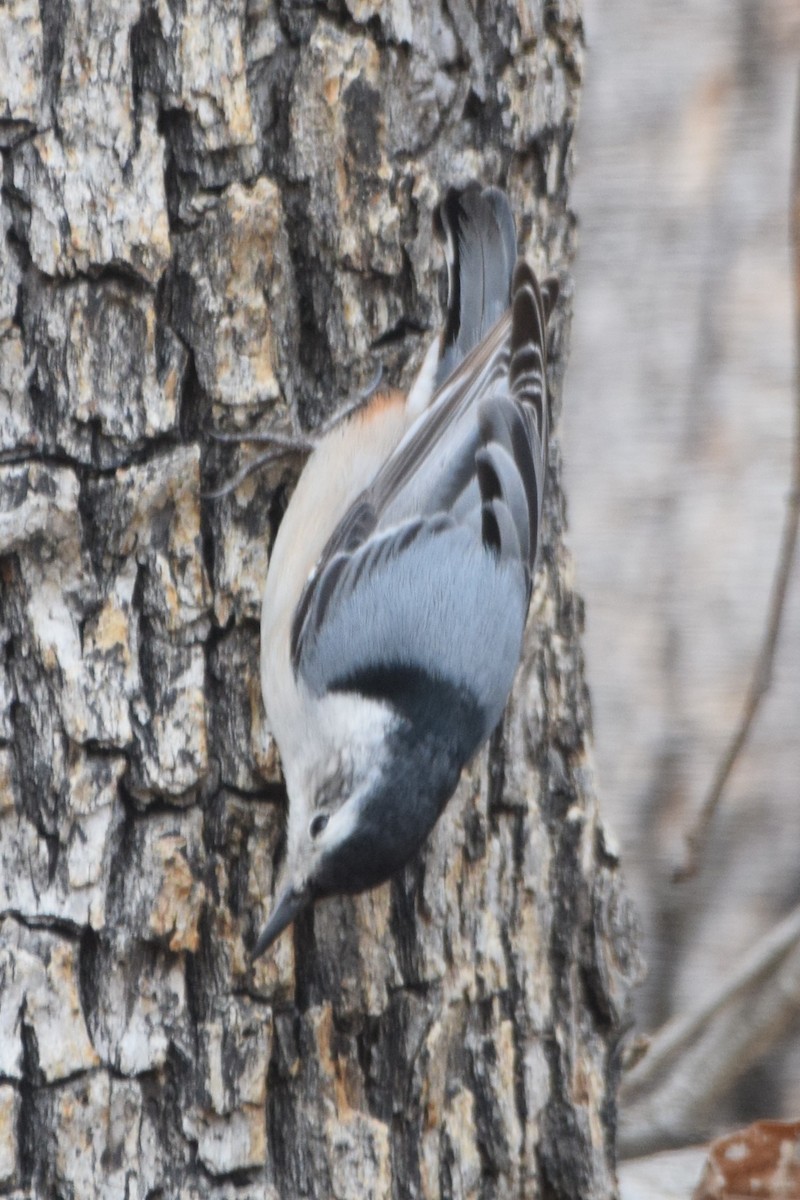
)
(762, 1161)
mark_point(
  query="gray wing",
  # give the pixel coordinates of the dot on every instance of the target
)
(477, 228)
(440, 583)
(426, 597)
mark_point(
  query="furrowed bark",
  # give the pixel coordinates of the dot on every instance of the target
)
(219, 216)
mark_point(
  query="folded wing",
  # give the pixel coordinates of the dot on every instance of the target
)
(430, 571)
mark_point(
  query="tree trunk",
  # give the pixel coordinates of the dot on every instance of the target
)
(215, 215)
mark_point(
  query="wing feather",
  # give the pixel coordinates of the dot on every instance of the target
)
(429, 604)
(430, 570)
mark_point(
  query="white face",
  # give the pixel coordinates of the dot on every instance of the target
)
(342, 744)
(323, 863)
(329, 772)
(333, 821)
(342, 761)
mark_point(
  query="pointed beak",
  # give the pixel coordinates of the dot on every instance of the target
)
(290, 904)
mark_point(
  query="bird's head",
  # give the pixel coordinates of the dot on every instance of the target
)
(366, 819)
(341, 849)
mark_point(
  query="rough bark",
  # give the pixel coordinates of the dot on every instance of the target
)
(218, 214)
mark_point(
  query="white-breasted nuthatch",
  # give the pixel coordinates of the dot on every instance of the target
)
(399, 582)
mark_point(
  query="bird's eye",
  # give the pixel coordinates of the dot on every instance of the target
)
(317, 825)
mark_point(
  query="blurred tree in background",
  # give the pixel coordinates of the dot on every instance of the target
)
(679, 429)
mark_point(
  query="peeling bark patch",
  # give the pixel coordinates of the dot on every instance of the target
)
(362, 114)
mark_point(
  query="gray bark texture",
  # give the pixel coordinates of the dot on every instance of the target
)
(218, 215)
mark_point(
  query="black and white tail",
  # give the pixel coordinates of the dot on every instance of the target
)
(512, 460)
(477, 229)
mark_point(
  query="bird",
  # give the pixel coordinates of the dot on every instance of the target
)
(400, 578)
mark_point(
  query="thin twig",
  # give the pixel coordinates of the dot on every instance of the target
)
(694, 1058)
(283, 445)
(250, 468)
(292, 443)
(758, 965)
(762, 674)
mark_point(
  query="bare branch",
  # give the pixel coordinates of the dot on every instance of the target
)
(694, 1058)
(284, 445)
(280, 451)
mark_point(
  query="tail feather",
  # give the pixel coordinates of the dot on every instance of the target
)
(526, 370)
(512, 461)
(480, 242)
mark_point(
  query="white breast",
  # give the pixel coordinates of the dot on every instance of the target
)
(342, 465)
